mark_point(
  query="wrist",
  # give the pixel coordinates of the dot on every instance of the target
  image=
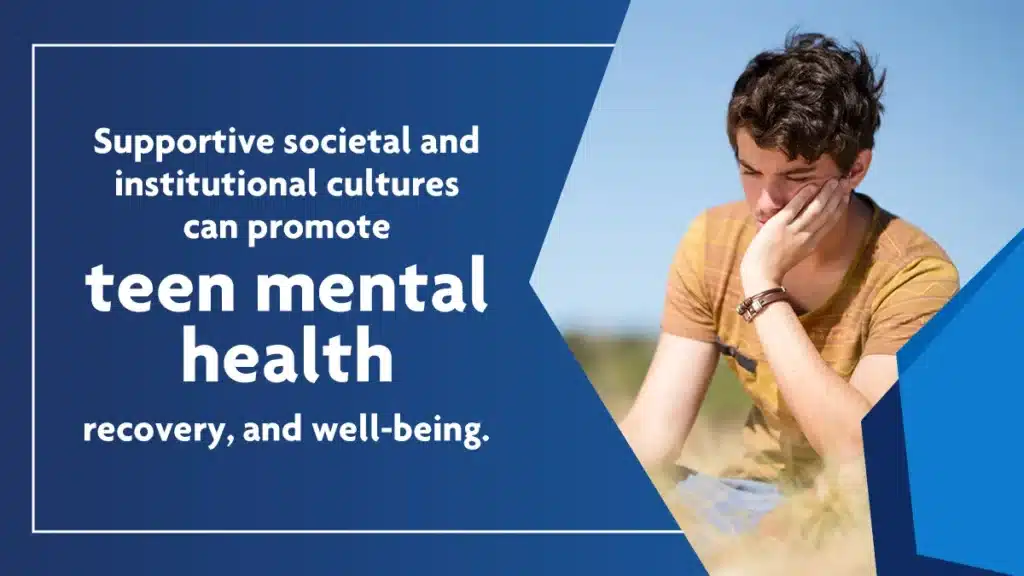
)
(756, 281)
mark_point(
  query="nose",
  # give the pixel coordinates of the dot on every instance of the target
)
(773, 194)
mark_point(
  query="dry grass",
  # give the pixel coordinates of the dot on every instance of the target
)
(825, 530)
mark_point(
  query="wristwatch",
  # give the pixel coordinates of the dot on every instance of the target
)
(752, 306)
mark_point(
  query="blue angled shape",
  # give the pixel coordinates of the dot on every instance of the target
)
(892, 519)
(942, 441)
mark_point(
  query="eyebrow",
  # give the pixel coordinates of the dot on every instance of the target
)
(790, 172)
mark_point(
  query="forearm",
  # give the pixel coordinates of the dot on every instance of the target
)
(655, 449)
(667, 404)
(656, 430)
(828, 409)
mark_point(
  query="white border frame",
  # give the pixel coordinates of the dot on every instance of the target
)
(33, 353)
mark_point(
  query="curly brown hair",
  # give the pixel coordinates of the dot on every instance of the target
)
(811, 98)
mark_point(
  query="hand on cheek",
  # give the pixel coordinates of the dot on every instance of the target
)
(793, 233)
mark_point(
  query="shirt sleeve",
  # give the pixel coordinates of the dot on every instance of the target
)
(908, 301)
(687, 311)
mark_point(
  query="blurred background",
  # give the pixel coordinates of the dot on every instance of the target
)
(655, 154)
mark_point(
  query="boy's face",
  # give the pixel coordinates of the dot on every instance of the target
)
(770, 180)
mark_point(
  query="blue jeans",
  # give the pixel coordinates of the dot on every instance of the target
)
(732, 505)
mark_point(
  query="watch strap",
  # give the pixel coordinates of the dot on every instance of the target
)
(754, 305)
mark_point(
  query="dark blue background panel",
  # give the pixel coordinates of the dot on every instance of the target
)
(554, 459)
(549, 436)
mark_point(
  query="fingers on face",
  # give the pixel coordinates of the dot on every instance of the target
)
(819, 208)
(796, 206)
(834, 208)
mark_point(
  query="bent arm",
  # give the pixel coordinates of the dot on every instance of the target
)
(663, 414)
(666, 407)
(828, 408)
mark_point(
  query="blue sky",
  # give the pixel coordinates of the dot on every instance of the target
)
(949, 155)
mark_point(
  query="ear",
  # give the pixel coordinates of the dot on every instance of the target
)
(859, 169)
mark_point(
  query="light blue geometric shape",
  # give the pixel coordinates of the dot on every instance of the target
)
(963, 393)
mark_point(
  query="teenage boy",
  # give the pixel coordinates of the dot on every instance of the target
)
(808, 287)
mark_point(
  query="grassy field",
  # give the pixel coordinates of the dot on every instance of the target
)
(616, 365)
(826, 531)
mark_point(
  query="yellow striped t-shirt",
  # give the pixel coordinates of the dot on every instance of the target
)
(900, 279)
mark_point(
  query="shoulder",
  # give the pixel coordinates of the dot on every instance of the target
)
(701, 257)
(906, 260)
(901, 241)
(712, 239)
(721, 225)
